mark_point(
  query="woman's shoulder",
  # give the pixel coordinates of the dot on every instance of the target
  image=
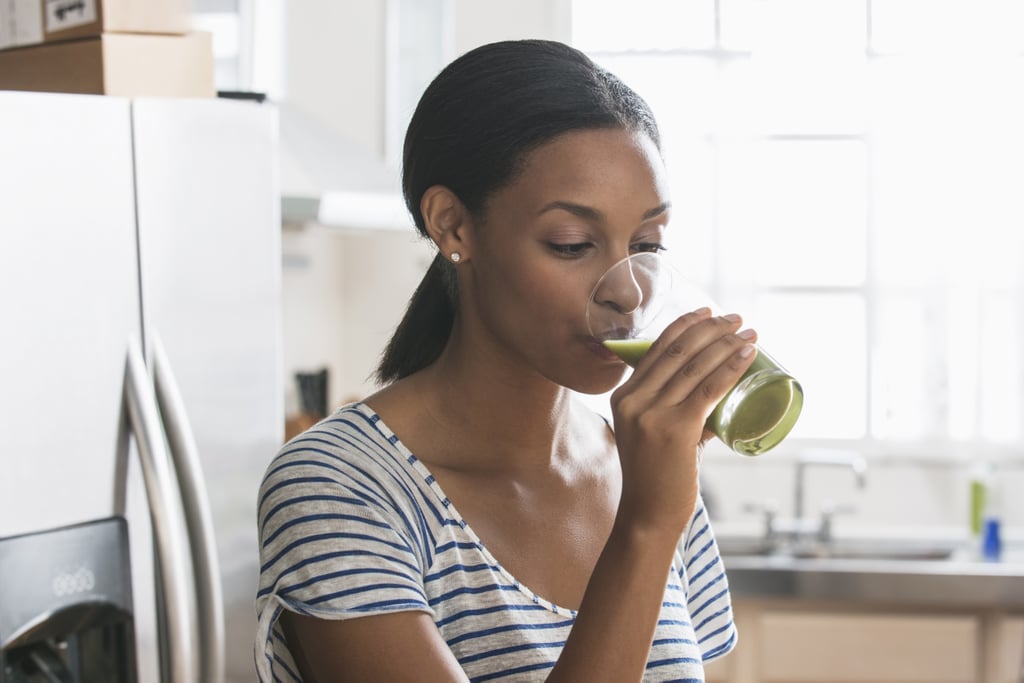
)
(351, 447)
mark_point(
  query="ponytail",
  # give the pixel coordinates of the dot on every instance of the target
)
(424, 330)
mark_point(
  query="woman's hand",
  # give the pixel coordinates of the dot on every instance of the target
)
(661, 409)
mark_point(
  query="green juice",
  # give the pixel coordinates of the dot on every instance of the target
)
(756, 414)
(629, 350)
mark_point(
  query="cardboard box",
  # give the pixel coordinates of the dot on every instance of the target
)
(123, 64)
(30, 22)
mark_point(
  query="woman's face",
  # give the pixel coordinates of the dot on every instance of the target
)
(582, 202)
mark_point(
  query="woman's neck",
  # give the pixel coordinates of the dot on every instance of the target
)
(495, 399)
(476, 408)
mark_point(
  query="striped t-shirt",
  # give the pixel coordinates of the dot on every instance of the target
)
(352, 523)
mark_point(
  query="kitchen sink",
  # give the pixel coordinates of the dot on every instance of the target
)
(868, 553)
(897, 550)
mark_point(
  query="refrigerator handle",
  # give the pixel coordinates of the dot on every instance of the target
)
(198, 518)
(178, 641)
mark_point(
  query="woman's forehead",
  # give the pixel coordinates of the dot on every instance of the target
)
(600, 160)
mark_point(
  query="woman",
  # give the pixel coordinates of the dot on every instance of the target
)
(472, 520)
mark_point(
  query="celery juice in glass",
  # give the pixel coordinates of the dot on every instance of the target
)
(631, 304)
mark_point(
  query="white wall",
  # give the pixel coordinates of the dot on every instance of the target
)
(334, 56)
(485, 21)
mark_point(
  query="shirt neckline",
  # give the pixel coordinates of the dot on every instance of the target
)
(431, 482)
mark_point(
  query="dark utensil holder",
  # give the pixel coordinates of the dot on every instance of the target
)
(313, 392)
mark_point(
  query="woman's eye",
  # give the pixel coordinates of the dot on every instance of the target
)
(570, 249)
(653, 247)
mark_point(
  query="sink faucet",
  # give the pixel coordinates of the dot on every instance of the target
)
(824, 458)
(779, 531)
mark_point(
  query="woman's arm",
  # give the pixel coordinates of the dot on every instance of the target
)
(401, 646)
(659, 424)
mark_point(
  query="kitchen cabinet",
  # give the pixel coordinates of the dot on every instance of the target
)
(787, 641)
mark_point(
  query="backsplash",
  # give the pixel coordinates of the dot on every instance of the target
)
(899, 495)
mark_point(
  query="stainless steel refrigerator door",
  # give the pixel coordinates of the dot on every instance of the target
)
(211, 289)
(68, 304)
(69, 298)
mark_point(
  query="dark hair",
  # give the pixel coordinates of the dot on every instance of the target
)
(471, 132)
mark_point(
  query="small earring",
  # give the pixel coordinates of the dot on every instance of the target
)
(456, 257)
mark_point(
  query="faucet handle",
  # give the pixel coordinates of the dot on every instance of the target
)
(769, 509)
(829, 510)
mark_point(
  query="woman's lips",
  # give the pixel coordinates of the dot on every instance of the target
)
(601, 351)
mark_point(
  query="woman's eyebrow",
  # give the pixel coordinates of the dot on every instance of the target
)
(590, 213)
(660, 209)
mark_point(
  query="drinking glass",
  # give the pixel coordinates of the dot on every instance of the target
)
(641, 295)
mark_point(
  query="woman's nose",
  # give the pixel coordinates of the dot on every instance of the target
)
(620, 289)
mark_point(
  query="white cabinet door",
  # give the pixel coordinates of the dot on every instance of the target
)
(68, 304)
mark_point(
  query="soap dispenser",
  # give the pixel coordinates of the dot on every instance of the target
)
(985, 519)
(991, 525)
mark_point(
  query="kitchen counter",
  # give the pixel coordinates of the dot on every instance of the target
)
(906, 572)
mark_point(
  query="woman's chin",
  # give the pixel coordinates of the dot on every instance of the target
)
(601, 382)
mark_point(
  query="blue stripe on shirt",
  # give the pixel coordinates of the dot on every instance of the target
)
(325, 557)
(333, 536)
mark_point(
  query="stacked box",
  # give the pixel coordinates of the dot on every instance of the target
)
(104, 47)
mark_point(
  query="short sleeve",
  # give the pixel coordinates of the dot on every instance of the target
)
(707, 588)
(334, 543)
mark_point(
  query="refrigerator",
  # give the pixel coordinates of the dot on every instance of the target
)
(140, 383)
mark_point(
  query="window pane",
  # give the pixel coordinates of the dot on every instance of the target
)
(421, 51)
(1002, 372)
(948, 161)
(907, 373)
(736, 24)
(821, 26)
(797, 95)
(947, 26)
(610, 25)
(959, 392)
(795, 213)
(682, 91)
(911, 231)
(690, 239)
(815, 29)
(820, 339)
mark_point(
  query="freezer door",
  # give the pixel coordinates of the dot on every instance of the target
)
(69, 301)
(209, 242)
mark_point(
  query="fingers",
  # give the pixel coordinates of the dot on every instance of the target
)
(707, 377)
(696, 360)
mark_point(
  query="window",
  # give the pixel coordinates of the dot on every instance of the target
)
(848, 173)
(248, 43)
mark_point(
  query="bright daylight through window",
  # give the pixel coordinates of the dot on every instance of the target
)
(849, 173)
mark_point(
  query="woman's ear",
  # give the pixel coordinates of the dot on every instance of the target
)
(447, 222)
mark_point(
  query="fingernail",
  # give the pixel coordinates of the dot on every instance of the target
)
(747, 350)
(704, 310)
(732, 317)
(746, 334)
